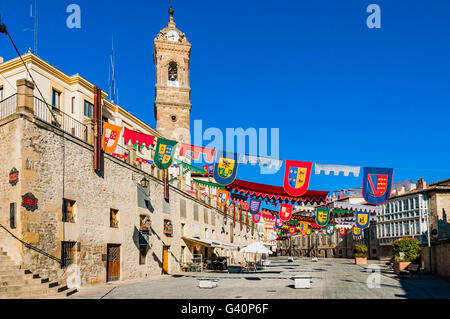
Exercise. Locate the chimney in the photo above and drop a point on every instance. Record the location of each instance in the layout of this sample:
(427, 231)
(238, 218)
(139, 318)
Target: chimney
(421, 184)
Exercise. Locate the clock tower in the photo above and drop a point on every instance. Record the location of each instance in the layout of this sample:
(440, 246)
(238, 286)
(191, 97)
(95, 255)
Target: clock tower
(171, 56)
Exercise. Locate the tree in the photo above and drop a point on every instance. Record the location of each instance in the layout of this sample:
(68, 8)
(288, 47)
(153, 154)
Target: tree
(406, 249)
(360, 251)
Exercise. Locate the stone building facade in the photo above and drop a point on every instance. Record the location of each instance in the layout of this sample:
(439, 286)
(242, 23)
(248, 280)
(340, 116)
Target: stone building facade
(55, 210)
(54, 166)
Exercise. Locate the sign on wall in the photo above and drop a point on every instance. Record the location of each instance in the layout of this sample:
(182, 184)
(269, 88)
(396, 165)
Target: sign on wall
(14, 176)
(29, 202)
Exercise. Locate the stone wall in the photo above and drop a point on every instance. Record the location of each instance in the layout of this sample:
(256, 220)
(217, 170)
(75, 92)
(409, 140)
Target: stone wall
(10, 157)
(440, 258)
(55, 166)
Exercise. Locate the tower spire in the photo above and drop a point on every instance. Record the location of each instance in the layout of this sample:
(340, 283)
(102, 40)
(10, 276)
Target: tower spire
(171, 12)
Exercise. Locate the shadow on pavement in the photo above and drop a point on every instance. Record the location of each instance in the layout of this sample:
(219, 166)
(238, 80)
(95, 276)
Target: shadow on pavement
(252, 278)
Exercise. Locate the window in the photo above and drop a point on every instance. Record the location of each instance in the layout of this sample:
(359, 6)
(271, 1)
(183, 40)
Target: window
(213, 218)
(67, 213)
(56, 98)
(104, 120)
(182, 208)
(113, 218)
(67, 253)
(205, 215)
(12, 215)
(195, 212)
(142, 254)
(88, 109)
(182, 230)
(1, 93)
(166, 206)
(172, 74)
(73, 104)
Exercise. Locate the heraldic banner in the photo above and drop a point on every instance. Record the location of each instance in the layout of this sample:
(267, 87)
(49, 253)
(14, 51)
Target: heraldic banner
(362, 219)
(225, 168)
(356, 231)
(377, 184)
(222, 197)
(296, 177)
(256, 218)
(111, 134)
(278, 223)
(255, 206)
(322, 216)
(285, 212)
(165, 150)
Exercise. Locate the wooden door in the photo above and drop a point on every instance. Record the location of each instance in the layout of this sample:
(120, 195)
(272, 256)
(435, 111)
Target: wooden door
(165, 265)
(113, 263)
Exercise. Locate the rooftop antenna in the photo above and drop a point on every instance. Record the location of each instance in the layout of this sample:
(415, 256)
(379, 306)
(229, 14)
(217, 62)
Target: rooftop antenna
(112, 79)
(35, 29)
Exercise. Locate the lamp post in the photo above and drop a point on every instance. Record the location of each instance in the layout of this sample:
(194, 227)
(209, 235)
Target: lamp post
(429, 240)
(144, 183)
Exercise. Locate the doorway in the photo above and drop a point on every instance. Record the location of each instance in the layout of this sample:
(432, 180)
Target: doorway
(165, 264)
(113, 262)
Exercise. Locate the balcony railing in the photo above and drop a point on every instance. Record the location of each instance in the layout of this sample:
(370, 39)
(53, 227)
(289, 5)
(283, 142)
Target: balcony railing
(63, 121)
(8, 106)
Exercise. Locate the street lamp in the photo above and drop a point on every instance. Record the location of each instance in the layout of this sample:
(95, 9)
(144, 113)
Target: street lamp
(145, 182)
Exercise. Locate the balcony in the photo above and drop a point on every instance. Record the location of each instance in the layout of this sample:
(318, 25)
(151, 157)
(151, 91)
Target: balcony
(8, 106)
(57, 118)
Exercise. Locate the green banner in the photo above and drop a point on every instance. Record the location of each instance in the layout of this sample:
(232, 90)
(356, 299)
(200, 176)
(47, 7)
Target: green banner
(165, 150)
(322, 216)
(191, 167)
(214, 185)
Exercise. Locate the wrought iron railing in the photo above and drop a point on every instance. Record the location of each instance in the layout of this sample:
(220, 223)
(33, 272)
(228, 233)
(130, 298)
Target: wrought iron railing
(8, 106)
(59, 119)
(29, 246)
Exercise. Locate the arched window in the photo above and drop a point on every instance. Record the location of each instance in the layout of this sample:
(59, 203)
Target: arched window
(173, 74)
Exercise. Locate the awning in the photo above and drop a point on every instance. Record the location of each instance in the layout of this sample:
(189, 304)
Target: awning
(198, 241)
(276, 192)
(210, 243)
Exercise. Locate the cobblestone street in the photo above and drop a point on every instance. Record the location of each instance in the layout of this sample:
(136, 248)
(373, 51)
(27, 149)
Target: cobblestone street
(331, 279)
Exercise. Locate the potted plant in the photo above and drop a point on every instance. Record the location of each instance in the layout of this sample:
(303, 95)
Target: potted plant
(406, 251)
(360, 252)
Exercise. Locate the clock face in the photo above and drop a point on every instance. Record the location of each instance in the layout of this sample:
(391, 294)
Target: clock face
(172, 36)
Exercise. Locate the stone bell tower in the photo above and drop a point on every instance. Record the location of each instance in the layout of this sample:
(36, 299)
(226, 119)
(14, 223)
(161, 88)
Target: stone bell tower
(171, 55)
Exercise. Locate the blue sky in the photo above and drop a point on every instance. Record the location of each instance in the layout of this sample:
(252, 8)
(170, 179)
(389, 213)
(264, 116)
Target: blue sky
(340, 93)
